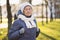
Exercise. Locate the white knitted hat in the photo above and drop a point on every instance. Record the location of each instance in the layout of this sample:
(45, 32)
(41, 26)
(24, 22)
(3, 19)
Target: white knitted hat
(23, 5)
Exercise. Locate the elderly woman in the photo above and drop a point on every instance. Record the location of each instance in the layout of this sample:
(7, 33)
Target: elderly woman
(25, 26)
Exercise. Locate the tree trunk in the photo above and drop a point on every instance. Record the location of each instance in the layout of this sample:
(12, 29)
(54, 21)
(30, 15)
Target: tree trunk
(46, 11)
(9, 15)
(51, 15)
(55, 9)
(42, 14)
(0, 14)
(30, 1)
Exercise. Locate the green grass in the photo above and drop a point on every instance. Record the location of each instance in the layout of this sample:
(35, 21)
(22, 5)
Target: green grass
(50, 31)
(3, 33)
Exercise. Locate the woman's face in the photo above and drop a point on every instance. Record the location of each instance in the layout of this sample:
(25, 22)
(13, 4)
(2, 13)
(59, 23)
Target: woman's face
(27, 11)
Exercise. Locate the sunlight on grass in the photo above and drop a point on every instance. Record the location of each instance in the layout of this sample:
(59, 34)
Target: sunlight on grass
(3, 33)
(50, 31)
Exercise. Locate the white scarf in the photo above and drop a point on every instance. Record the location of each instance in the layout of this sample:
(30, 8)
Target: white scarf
(29, 21)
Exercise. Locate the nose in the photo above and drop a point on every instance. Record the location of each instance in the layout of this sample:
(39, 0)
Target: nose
(28, 10)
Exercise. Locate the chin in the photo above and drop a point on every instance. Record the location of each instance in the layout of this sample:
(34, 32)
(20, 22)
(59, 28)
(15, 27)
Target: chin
(28, 15)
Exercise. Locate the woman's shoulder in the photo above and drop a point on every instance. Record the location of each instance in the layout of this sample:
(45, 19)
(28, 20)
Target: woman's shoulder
(18, 21)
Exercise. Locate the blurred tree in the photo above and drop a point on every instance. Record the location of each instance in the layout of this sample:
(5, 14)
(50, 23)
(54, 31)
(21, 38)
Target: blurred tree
(30, 1)
(0, 14)
(55, 8)
(46, 11)
(51, 15)
(9, 15)
(42, 13)
(22, 1)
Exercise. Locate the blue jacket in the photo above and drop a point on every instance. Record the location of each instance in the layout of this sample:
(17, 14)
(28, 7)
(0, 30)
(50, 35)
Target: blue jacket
(29, 34)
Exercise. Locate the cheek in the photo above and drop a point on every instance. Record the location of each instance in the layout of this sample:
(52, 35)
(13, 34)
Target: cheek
(24, 12)
(30, 12)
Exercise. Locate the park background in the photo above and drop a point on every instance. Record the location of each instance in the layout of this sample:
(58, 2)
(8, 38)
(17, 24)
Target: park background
(46, 12)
